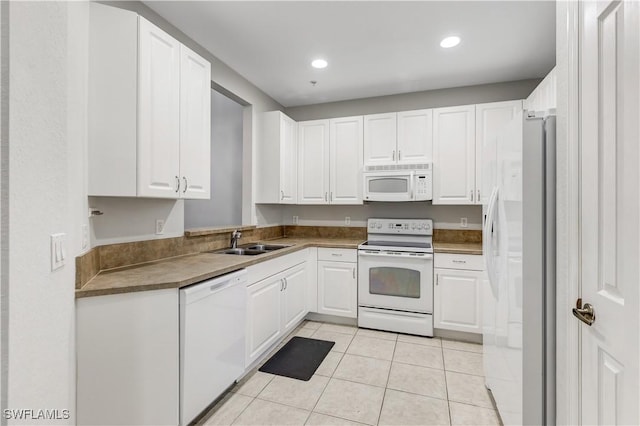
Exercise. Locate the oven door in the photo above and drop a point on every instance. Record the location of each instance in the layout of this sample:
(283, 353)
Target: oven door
(395, 280)
(389, 186)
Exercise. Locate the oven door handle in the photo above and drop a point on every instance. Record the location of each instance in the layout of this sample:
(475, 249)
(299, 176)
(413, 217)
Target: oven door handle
(396, 254)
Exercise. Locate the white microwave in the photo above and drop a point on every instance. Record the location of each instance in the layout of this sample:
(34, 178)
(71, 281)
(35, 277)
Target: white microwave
(398, 183)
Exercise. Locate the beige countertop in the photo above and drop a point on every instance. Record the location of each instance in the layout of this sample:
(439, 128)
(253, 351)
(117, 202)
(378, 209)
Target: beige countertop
(457, 248)
(185, 270)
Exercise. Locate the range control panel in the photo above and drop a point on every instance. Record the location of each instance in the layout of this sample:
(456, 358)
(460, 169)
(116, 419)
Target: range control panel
(400, 226)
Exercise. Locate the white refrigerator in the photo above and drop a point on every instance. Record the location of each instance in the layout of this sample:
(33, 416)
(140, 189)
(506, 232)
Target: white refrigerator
(519, 250)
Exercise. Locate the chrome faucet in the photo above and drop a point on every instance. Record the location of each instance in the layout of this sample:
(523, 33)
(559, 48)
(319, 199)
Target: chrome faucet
(235, 236)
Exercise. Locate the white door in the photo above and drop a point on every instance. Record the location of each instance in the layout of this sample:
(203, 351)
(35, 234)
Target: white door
(380, 139)
(610, 116)
(457, 300)
(313, 162)
(264, 323)
(158, 113)
(454, 158)
(415, 137)
(295, 296)
(491, 120)
(288, 161)
(195, 125)
(337, 289)
(346, 161)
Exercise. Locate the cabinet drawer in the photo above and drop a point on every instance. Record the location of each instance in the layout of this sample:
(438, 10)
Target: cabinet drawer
(338, 255)
(471, 262)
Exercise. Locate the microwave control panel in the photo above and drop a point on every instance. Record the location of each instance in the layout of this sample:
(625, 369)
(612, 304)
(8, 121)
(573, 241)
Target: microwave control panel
(423, 186)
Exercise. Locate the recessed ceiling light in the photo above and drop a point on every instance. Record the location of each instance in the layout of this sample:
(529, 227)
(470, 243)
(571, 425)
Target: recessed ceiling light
(448, 42)
(319, 63)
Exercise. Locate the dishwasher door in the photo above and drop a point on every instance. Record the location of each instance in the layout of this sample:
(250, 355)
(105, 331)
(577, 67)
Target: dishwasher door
(212, 340)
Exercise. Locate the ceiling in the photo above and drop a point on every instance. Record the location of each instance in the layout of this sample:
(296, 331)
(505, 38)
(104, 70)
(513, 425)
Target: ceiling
(373, 48)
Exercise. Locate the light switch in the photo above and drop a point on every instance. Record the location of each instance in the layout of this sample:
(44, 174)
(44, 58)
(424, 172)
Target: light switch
(58, 253)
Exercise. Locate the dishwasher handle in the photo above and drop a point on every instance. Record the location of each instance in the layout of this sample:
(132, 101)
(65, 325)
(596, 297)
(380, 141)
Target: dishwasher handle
(213, 286)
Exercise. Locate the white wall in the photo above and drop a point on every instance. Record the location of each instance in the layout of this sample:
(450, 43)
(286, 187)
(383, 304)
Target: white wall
(444, 217)
(47, 131)
(225, 206)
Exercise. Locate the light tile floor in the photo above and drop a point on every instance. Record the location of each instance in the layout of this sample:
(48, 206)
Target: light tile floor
(370, 377)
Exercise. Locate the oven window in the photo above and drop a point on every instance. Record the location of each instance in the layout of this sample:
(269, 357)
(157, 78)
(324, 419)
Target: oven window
(389, 185)
(400, 282)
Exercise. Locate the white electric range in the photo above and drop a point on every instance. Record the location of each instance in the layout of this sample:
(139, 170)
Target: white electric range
(395, 279)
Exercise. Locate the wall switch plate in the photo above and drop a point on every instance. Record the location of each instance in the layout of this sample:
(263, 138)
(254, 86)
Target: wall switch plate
(159, 226)
(85, 236)
(295, 220)
(347, 220)
(463, 222)
(58, 252)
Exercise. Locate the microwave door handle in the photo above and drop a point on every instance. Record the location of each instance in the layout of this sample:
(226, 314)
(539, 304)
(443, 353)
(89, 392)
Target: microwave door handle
(412, 182)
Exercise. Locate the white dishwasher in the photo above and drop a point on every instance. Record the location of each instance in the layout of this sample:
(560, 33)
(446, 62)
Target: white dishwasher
(212, 340)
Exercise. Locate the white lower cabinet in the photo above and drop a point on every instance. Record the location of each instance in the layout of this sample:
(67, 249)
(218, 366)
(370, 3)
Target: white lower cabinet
(275, 305)
(458, 293)
(128, 359)
(337, 282)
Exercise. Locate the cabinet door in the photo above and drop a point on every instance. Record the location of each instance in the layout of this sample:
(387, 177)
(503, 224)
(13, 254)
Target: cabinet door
(458, 300)
(158, 112)
(264, 324)
(491, 120)
(415, 137)
(313, 162)
(454, 160)
(295, 296)
(337, 288)
(346, 160)
(288, 161)
(380, 139)
(195, 125)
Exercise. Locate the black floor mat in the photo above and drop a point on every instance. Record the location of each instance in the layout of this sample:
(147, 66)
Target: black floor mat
(299, 358)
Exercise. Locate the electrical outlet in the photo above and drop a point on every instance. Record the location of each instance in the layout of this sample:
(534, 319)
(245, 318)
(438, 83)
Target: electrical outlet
(295, 220)
(347, 220)
(159, 226)
(463, 222)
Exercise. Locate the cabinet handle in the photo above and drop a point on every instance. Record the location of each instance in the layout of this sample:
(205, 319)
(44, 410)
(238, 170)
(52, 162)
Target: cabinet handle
(393, 155)
(286, 283)
(437, 279)
(471, 195)
(399, 155)
(354, 273)
(185, 185)
(177, 184)
(281, 284)
(459, 261)
(478, 195)
(325, 197)
(281, 195)
(336, 254)
(331, 196)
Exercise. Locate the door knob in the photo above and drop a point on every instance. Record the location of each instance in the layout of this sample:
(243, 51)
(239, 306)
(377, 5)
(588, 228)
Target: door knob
(585, 314)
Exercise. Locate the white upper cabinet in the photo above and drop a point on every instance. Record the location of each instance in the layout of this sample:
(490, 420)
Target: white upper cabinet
(380, 139)
(454, 160)
(313, 162)
(158, 112)
(149, 110)
(195, 125)
(398, 138)
(346, 145)
(277, 160)
(491, 119)
(415, 137)
(330, 161)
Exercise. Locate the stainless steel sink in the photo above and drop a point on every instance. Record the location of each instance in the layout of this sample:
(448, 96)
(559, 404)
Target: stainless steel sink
(241, 251)
(267, 247)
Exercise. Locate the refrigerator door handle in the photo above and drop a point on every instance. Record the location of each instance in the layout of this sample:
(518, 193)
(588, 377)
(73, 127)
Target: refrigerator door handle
(488, 231)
